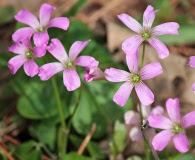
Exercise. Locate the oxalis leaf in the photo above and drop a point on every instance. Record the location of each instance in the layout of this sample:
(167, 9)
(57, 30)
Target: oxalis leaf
(118, 141)
(38, 100)
(75, 156)
(29, 151)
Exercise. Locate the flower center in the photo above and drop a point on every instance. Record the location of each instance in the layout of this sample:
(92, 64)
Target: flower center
(135, 78)
(69, 65)
(145, 35)
(29, 54)
(41, 29)
(177, 129)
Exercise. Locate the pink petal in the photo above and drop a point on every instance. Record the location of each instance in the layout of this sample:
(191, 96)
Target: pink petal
(57, 50)
(116, 75)
(18, 48)
(159, 46)
(148, 17)
(157, 110)
(26, 17)
(151, 70)
(188, 120)
(48, 70)
(132, 44)
(27, 43)
(193, 87)
(123, 93)
(181, 142)
(161, 140)
(45, 14)
(93, 74)
(15, 63)
(173, 109)
(71, 79)
(60, 22)
(39, 51)
(22, 34)
(130, 23)
(76, 48)
(160, 121)
(31, 68)
(132, 117)
(192, 62)
(144, 94)
(135, 134)
(145, 111)
(132, 62)
(87, 61)
(165, 28)
(41, 38)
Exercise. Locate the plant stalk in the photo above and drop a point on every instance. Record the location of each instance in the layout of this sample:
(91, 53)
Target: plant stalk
(63, 143)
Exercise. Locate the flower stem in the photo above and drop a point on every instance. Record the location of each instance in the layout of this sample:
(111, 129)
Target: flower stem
(145, 143)
(75, 108)
(63, 143)
(143, 54)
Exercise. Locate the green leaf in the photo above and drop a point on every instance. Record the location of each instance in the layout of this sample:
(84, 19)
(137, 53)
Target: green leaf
(38, 100)
(186, 156)
(45, 132)
(29, 151)
(75, 156)
(186, 36)
(9, 12)
(134, 158)
(95, 151)
(118, 141)
(87, 114)
(76, 8)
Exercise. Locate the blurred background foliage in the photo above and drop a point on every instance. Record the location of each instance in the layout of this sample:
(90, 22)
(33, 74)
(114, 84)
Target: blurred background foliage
(28, 105)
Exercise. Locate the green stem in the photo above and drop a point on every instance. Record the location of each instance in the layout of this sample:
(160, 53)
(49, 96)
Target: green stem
(140, 108)
(143, 54)
(75, 108)
(61, 114)
(166, 153)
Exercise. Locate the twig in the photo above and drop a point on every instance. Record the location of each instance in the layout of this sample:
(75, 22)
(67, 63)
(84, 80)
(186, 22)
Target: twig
(146, 137)
(6, 153)
(87, 139)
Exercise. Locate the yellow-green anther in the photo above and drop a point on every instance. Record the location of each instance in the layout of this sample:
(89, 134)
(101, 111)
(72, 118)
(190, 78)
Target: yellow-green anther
(177, 129)
(29, 54)
(145, 35)
(135, 78)
(69, 65)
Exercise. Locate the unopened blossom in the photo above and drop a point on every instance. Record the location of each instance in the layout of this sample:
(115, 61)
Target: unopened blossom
(147, 33)
(173, 127)
(132, 79)
(25, 56)
(133, 118)
(192, 64)
(67, 63)
(38, 28)
(93, 74)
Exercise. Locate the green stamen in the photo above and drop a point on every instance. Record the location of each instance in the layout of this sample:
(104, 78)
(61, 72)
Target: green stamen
(177, 129)
(145, 35)
(69, 65)
(135, 78)
(29, 54)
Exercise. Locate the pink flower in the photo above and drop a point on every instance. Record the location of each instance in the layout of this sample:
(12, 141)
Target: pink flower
(146, 33)
(133, 118)
(67, 64)
(93, 74)
(26, 56)
(39, 29)
(174, 128)
(133, 79)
